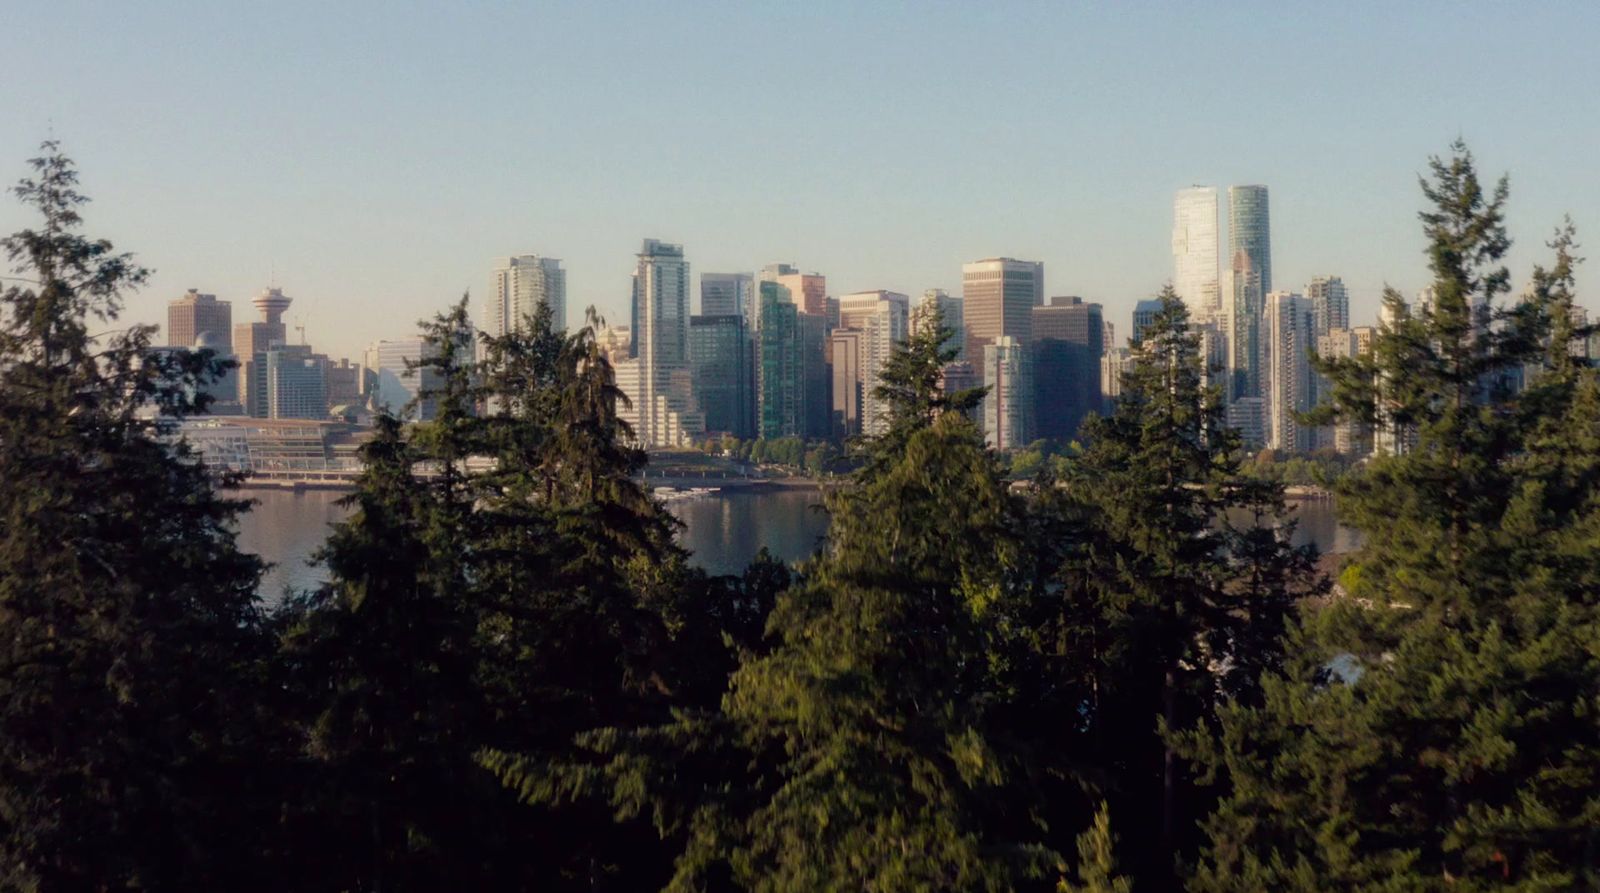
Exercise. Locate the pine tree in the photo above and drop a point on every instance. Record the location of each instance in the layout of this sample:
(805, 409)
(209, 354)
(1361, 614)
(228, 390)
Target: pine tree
(1434, 730)
(129, 630)
(1177, 606)
(1097, 862)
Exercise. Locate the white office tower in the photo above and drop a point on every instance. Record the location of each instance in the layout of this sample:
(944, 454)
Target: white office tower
(882, 318)
(657, 376)
(1286, 336)
(1196, 249)
(1330, 304)
(1007, 408)
(518, 286)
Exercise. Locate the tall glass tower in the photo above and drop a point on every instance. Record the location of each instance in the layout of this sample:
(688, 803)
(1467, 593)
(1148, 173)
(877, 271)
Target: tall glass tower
(1250, 231)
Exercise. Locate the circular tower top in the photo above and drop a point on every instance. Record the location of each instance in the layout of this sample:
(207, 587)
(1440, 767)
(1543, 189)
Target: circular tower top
(272, 302)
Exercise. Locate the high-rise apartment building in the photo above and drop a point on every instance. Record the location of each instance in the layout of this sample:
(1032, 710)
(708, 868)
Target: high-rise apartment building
(1289, 388)
(663, 411)
(998, 295)
(816, 414)
(1114, 364)
(1008, 406)
(1330, 304)
(518, 286)
(250, 343)
(1067, 346)
(720, 352)
(193, 314)
(728, 294)
(1196, 247)
(1250, 230)
(1346, 436)
(883, 319)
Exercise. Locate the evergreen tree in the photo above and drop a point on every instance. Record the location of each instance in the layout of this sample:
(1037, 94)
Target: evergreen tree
(1176, 604)
(1434, 730)
(129, 630)
(1097, 862)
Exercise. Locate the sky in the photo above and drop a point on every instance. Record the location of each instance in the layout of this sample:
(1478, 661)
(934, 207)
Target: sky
(372, 159)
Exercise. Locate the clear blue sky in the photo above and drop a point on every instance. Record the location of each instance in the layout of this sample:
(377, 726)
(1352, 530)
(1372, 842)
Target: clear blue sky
(378, 155)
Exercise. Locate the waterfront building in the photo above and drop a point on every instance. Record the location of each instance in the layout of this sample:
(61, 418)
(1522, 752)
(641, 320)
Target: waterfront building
(1008, 405)
(1330, 304)
(844, 347)
(250, 343)
(723, 382)
(1067, 347)
(780, 371)
(663, 411)
(883, 319)
(1287, 325)
(1196, 247)
(296, 382)
(998, 295)
(518, 286)
(195, 314)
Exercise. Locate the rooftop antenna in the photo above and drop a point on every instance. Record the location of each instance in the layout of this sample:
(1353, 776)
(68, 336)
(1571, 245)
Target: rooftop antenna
(300, 326)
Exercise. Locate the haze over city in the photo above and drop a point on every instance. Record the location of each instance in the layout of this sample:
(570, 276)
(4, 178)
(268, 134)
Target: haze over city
(373, 159)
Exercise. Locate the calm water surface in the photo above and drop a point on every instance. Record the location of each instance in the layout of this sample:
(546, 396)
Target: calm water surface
(723, 531)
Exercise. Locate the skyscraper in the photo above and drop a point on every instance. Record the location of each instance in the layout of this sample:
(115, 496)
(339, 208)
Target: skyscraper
(807, 291)
(1195, 250)
(1067, 346)
(250, 343)
(1144, 315)
(1008, 405)
(845, 350)
(395, 383)
(720, 352)
(816, 413)
(1250, 230)
(1243, 328)
(780, 371)
(998, 295)
(1347, 436)
(193, 314)
(882, 317)
(728, 294)
(1330, 304)
(663, 413)
(1286, 327)
(518, 285)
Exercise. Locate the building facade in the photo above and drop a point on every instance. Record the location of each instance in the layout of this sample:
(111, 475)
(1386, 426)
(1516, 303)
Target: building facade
(1330, 304)
(297, 384)
(1068, 342)
(720, 352)
(663, 411)
(1008, 406)
(194, 314)
(998, 295)
(1250, 230)
(780, 371)
(728, 294)
(1196, 247)
(883, 318)
(251, 341)
(518, 286)
(1287, 328)
(844, 347)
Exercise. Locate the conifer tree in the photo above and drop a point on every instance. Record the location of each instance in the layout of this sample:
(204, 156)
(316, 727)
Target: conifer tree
(1097, 862)
(129, 629)
(1177, 606)
(1434, 729)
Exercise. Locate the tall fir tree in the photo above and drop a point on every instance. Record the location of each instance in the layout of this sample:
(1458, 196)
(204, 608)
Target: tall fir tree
(129, 629)
(1176, 601)
(1434, 730)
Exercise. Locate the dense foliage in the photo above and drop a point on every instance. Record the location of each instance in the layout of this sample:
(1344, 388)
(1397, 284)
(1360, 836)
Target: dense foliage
(1100, 667)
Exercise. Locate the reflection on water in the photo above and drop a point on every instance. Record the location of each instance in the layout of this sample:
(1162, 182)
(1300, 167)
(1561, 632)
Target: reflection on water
(723, 531)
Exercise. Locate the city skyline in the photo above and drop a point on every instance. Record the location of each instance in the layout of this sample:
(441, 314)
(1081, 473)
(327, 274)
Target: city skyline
(345, 179)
